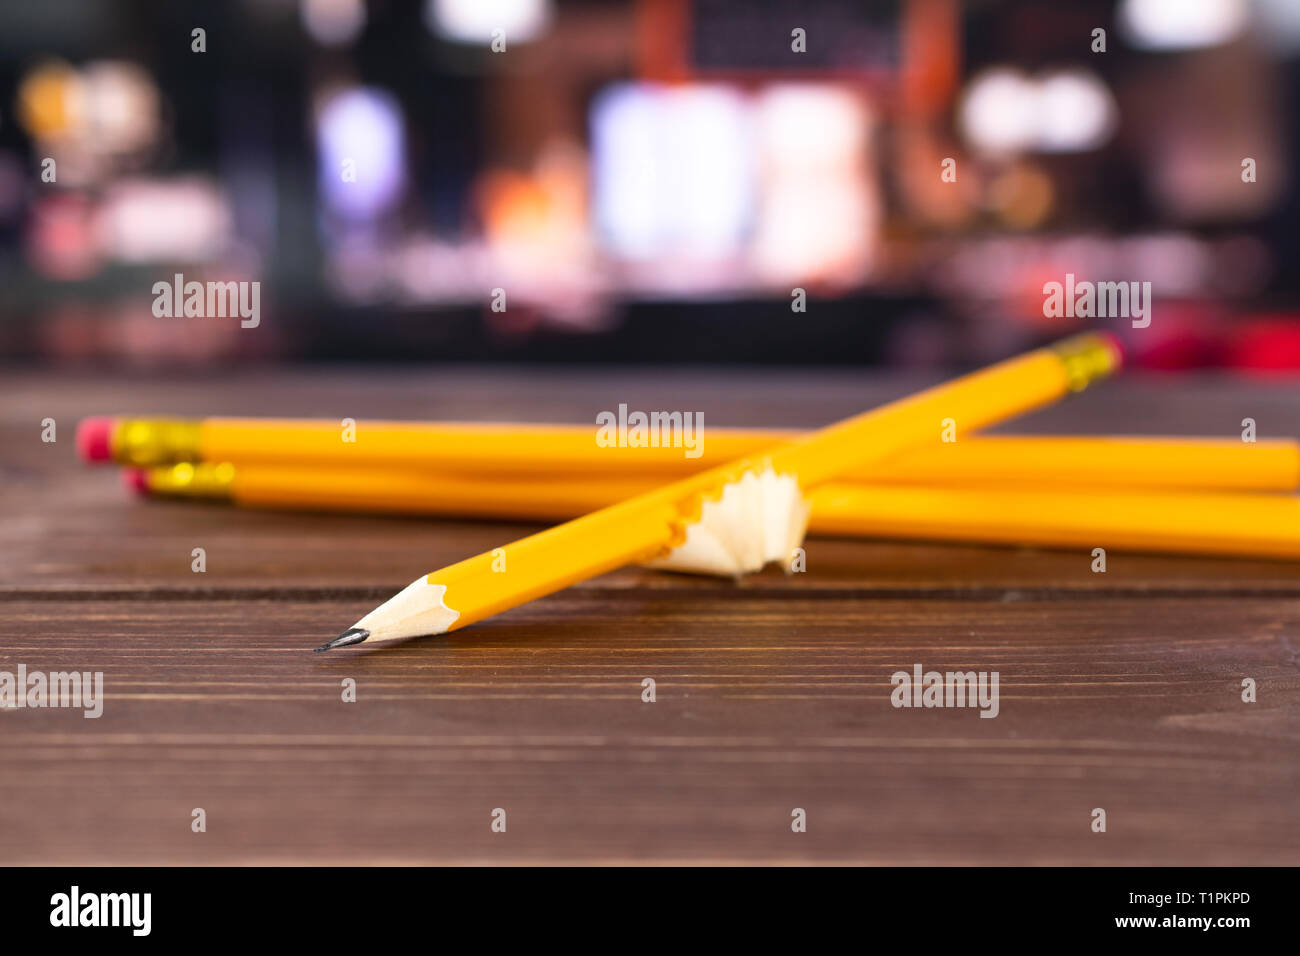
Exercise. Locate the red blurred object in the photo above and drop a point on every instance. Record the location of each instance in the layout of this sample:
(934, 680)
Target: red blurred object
(1268, 344)
(134, 479)
(1182, 335)
(61, 243)
(94, 439)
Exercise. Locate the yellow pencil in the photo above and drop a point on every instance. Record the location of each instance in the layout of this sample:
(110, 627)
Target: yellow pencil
(1232, 523)
(1239, 523)
(398, 492)
(733, 518)
(442, 446)
(570, 451)
(996, 461)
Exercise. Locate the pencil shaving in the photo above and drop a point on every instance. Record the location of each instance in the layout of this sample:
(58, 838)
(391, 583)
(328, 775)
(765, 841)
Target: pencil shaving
(755, 520)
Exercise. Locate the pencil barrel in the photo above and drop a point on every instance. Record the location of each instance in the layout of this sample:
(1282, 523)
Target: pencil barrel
(1254, 525)
(999, 460)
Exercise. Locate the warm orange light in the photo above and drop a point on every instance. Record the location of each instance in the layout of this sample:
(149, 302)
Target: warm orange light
(49, 100)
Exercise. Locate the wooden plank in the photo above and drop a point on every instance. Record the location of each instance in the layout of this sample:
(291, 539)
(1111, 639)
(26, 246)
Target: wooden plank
(763, 705)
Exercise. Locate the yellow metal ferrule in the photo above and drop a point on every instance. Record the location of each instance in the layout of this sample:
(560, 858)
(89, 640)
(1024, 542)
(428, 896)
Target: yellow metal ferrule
(187, 480)
(156, 441)
(1087, 358)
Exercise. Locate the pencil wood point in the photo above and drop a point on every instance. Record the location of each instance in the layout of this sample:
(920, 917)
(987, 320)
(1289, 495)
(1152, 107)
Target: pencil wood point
(353, 635)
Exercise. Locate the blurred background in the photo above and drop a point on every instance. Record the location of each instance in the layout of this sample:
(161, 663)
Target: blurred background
(647, 181)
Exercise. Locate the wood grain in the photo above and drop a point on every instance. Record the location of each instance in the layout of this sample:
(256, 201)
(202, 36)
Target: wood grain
(1119, 690)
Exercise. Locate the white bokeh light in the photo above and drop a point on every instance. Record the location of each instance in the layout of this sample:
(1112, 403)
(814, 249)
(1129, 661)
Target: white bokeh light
(1181, 24)
(1006, 112)
(999, 112)
(472, 21)
(360, 130)
(1076, 112)
(672, 169)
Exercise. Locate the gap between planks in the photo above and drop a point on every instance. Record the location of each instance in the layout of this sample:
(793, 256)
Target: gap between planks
(1019, 593)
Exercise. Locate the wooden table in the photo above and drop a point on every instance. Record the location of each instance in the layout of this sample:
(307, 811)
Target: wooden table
(1119, 690)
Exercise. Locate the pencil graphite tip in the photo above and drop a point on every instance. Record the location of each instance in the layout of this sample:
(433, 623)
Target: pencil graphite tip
(353, 635)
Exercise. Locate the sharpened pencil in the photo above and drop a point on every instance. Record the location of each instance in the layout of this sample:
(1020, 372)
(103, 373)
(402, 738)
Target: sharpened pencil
(733, 518)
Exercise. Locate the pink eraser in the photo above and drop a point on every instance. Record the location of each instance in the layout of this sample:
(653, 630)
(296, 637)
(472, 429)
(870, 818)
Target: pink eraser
(136, 480)
(95, 439)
